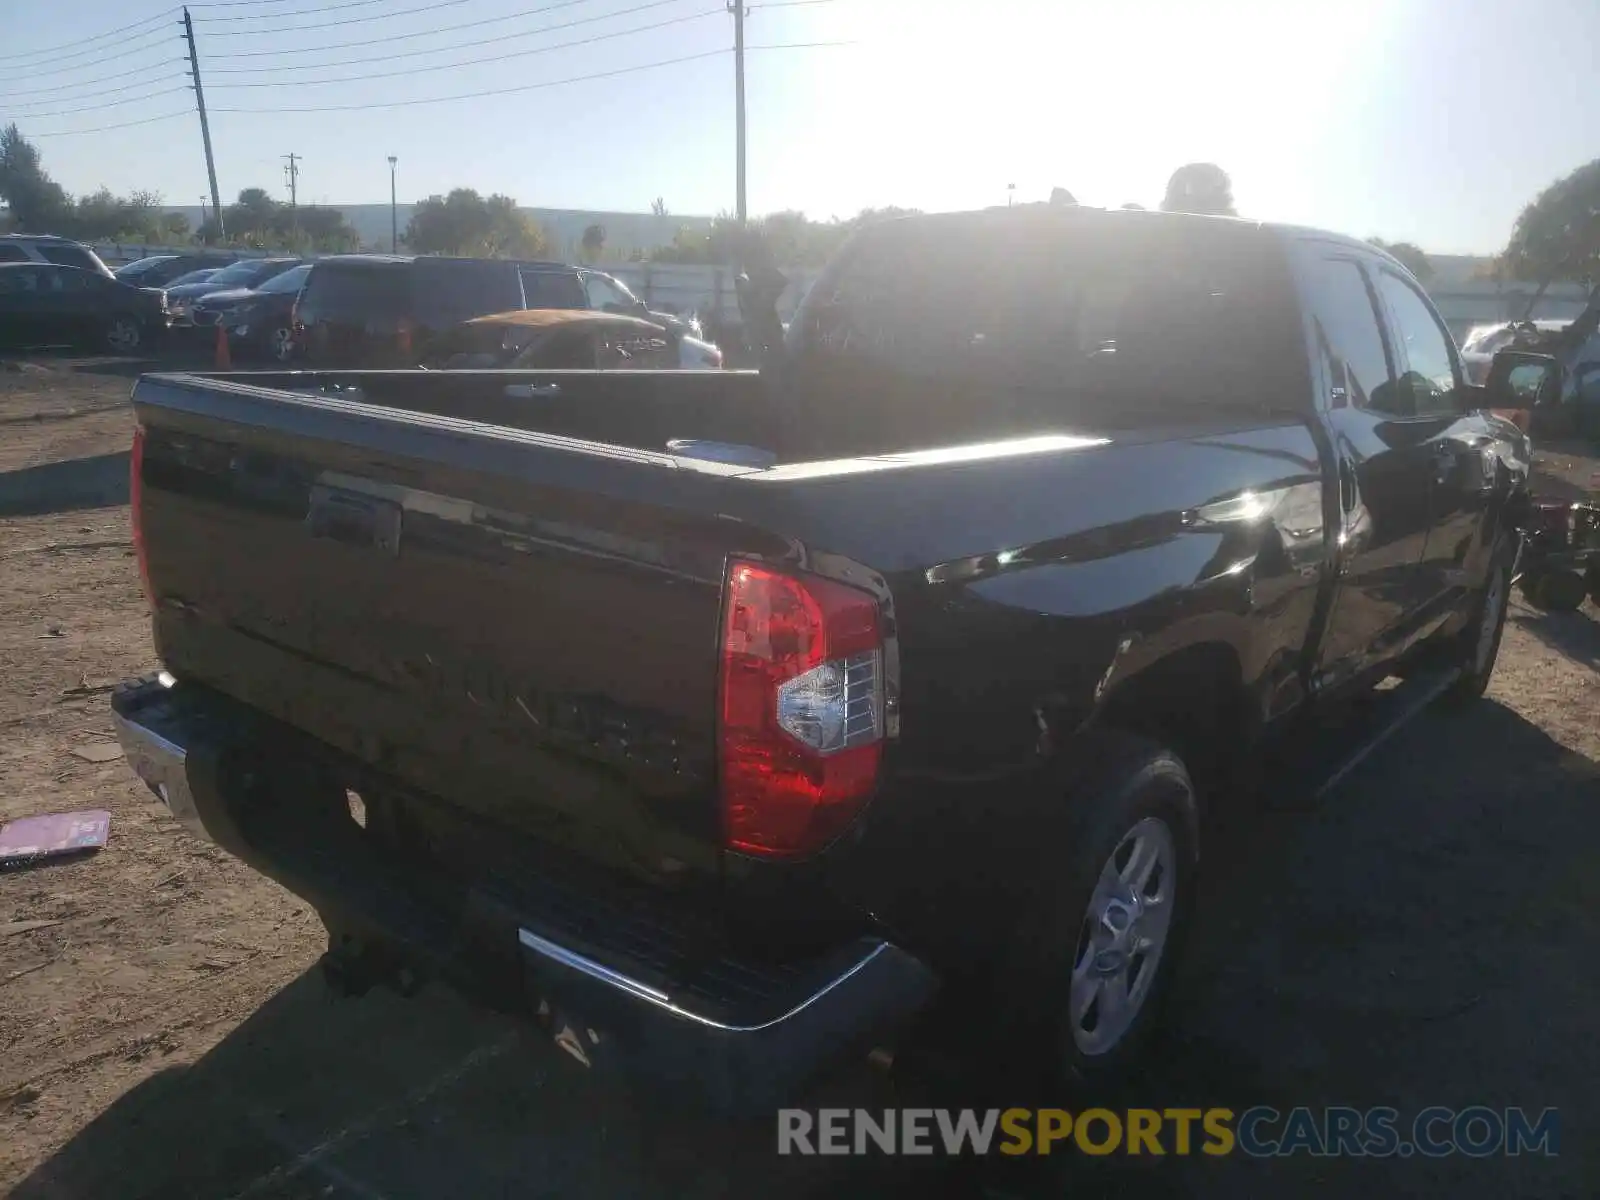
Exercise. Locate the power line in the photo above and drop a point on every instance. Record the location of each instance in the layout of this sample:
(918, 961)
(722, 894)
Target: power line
(95, 107)
(803, 45)
(81, 42)
(473, 62)
(107, 128)
(488, 41)
(94, 84)
(103, 53)
(527, 87)
(404, 12)
(396, 37)
(299, 12)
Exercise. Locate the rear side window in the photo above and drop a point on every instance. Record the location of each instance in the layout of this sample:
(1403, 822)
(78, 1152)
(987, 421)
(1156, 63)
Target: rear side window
(10, 253)
(69, 256)
(355, 291)
(1116, 316)
(553, 289)
(448, 293)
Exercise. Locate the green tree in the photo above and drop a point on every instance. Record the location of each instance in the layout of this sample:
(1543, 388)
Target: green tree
(326, 230)
(594, 242)
(1557, 236)
(1410, 256)
(468, 224)
(38, 203)
(1200, 188)
(658, 206)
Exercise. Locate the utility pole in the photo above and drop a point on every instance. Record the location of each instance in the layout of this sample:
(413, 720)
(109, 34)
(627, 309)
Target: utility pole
(736, 7)
(205, 128)
(394, 219)
(291, 171)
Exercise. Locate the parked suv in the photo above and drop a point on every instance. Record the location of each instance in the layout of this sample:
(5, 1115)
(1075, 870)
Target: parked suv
(390, 310)
(387, 310)
(47, 248)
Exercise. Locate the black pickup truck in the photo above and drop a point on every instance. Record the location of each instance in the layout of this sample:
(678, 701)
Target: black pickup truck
(720, 718)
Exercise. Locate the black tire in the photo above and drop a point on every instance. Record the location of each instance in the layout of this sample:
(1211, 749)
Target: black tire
(279, 345)
(1556, 591)
(123, 334)
(1131, 782)
(1477, 647)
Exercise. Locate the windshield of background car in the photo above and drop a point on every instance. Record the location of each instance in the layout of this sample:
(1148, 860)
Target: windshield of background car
(193, 277)
(291, 280)
(1115, 314)
(238, 275)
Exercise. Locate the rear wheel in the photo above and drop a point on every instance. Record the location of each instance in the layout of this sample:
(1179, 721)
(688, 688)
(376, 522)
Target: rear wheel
(123, 335)
(1091, 970)
(280, 344)
(1556, 591)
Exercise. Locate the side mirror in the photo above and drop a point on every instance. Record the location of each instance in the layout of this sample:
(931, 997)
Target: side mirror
(1520, 379)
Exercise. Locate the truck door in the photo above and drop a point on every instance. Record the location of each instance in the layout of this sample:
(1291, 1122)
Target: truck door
(1461, 478)
(1382, 464)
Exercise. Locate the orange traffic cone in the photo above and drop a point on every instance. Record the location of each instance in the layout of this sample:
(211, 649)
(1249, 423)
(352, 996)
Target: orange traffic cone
(224, 360)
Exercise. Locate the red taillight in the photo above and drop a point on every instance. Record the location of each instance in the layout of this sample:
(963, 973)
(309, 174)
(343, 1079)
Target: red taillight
(136, 510)
(801, 724)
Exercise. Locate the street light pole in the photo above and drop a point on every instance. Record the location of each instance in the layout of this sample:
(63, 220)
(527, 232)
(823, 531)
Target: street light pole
(394, 218)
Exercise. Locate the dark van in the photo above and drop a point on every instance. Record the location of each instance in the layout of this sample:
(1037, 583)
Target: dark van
(375, 310)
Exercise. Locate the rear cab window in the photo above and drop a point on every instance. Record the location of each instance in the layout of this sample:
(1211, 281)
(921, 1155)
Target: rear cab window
(1038, 321)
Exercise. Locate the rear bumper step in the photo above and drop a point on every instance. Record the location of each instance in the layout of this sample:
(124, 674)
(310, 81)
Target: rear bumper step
(744, 1034)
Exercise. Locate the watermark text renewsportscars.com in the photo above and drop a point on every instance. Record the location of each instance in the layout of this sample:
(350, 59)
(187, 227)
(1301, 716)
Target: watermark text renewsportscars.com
(1259, 1132)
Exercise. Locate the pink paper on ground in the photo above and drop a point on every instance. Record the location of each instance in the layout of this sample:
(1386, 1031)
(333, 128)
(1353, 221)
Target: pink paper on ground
(54, 834)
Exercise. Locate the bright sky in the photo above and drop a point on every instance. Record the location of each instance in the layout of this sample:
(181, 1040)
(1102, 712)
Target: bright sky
(1430, 121)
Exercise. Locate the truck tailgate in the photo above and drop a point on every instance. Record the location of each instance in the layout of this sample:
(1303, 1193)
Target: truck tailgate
(521, 625)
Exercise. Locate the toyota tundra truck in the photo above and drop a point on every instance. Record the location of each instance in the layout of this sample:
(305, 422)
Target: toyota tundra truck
(721, 721)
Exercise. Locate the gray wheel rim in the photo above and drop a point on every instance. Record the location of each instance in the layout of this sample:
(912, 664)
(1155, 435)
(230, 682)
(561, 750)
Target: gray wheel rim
(1494, 603)
(282, 344)
(123, 334)
(1123, 936)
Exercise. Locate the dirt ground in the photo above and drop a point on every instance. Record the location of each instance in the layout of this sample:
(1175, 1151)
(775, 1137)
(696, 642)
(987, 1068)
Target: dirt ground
(1427, 935)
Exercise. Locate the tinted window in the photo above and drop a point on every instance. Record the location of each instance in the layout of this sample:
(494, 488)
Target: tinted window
(1427, 386)
(9, 253)
(358, 291)
(1115, 316)
(69, 256)
(193, 277)
(552, 289)
(16, 283)
(607, 295)
(1345, 325)
(448, 293)
(244, 274)
(291, 280)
